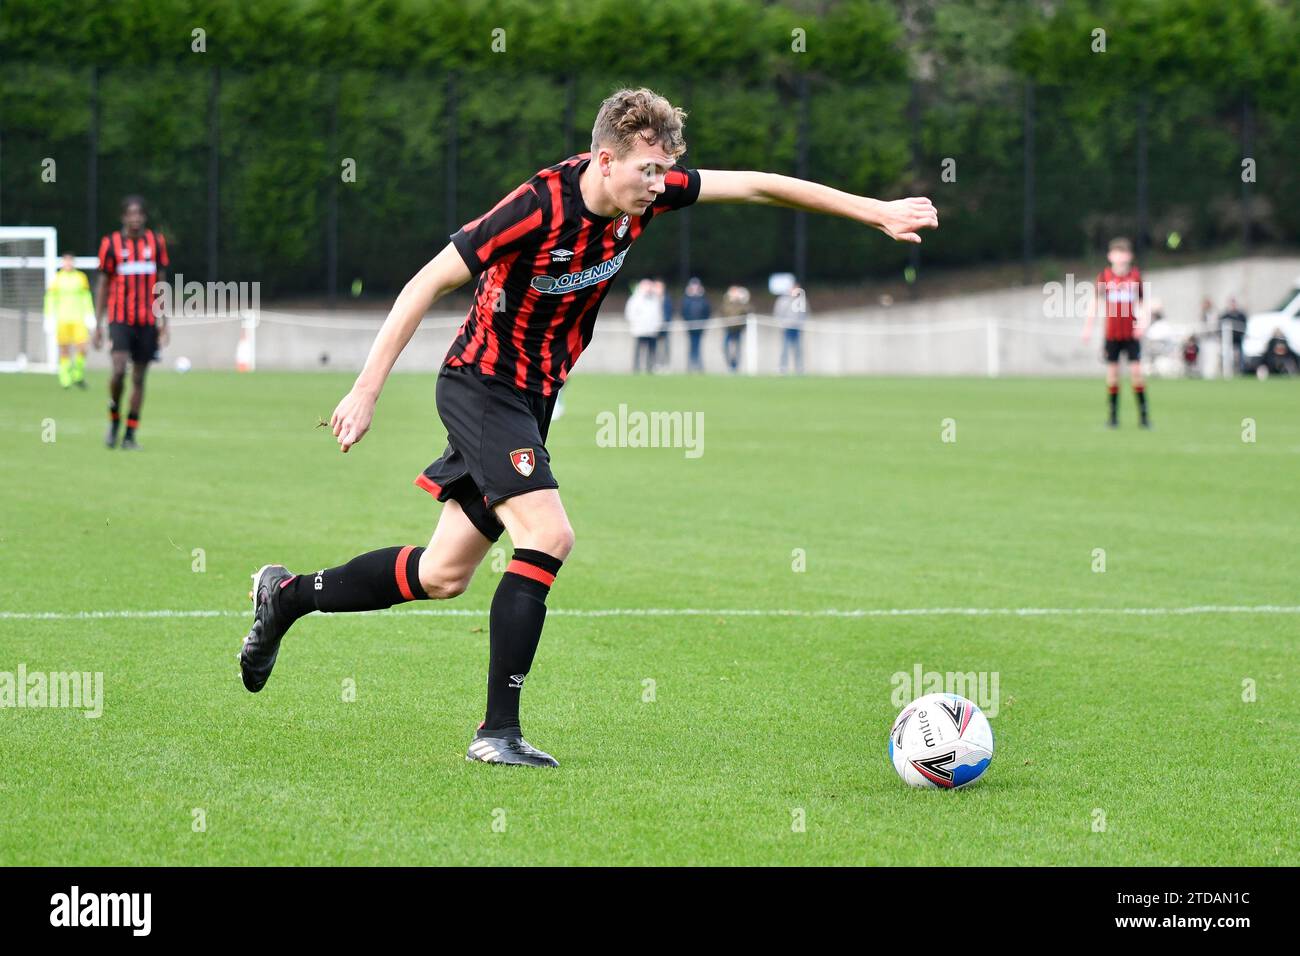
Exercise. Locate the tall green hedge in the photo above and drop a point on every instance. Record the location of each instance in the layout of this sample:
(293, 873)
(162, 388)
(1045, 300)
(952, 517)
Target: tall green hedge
(305, 84)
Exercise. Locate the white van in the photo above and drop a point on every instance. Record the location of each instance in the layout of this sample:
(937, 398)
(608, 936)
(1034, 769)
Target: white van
(1261, 326)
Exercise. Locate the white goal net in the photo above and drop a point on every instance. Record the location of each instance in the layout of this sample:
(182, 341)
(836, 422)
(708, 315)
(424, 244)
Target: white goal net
(28, 261)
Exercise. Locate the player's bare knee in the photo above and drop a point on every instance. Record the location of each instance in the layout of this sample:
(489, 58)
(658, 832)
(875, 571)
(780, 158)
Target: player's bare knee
(557, 540)
(440, 582)
(441, 585)
(444, 588)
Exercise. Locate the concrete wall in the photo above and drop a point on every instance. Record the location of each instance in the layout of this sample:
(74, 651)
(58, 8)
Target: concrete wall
(1008, 331)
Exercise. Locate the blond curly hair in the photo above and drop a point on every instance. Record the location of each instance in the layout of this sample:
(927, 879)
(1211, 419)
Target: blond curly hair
(628, 113)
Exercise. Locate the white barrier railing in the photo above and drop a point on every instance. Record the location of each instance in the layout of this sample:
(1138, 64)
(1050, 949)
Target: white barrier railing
(273, 340)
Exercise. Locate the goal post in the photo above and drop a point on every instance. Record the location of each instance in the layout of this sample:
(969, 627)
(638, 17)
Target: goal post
(29, 258)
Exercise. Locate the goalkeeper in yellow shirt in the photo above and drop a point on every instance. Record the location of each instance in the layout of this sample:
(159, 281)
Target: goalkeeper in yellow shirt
(69, 308)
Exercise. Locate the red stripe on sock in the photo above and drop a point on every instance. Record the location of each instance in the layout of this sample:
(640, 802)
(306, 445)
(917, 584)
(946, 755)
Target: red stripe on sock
(1112, 389)
(524, 569)
(401, 572)
(132, 422)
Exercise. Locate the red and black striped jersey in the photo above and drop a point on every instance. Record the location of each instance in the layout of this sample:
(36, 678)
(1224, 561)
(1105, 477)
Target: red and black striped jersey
(544, 264)
(1121, 293)
(131, 265)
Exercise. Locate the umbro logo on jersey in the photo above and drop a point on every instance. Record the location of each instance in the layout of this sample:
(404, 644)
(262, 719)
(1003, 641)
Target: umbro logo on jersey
(572, 281)
(524, 461)
(561, 255)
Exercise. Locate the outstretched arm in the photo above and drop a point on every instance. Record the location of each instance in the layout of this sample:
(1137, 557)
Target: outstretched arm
(899, 220)
(445, 272)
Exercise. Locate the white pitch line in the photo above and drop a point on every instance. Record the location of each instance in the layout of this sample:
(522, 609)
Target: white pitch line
(713, 612)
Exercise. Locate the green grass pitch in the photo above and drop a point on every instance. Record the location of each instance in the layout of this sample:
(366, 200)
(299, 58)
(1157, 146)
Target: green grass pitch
(1121, 738)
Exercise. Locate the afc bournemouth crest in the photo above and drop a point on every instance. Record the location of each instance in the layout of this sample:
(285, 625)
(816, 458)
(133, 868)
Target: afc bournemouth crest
(620, 229)
(523, 460)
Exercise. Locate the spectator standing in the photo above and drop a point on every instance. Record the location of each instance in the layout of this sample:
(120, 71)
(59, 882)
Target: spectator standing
(645, 317)
(735, 312)
(661, 353)
(1234, 319)
(790, 310)
(695, 313)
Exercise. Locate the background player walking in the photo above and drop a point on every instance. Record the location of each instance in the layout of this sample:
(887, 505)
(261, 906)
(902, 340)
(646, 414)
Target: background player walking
(131, 261)
(545, 257)
(1119, 289)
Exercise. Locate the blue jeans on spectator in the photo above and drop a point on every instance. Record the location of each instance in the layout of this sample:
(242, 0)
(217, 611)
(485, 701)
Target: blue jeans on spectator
(792, 343)
(695, 363)
(645, 348)
(731, 347)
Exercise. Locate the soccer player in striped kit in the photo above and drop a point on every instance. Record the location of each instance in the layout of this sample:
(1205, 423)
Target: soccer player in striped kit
(1120, 294)
(131, 262)
(544, 257)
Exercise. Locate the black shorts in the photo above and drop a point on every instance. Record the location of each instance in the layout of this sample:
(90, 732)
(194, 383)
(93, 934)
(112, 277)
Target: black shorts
(496, 449)
(140, 340)
(1130, 347)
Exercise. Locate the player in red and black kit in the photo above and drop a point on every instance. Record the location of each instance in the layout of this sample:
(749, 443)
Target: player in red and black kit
(1119, 288)
(545, 257)
(131, 261)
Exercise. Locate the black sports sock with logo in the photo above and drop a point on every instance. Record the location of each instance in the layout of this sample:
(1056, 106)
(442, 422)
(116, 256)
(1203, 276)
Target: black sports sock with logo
(1141, 393)
(369, 582)
(1112, 396)
(518, 613)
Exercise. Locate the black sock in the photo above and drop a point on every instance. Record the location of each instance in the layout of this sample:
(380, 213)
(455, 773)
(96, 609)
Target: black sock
(369, 582)
(1141, 394)
(132, 423)
(114, 418)
(518, 613)
(1113, 398)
